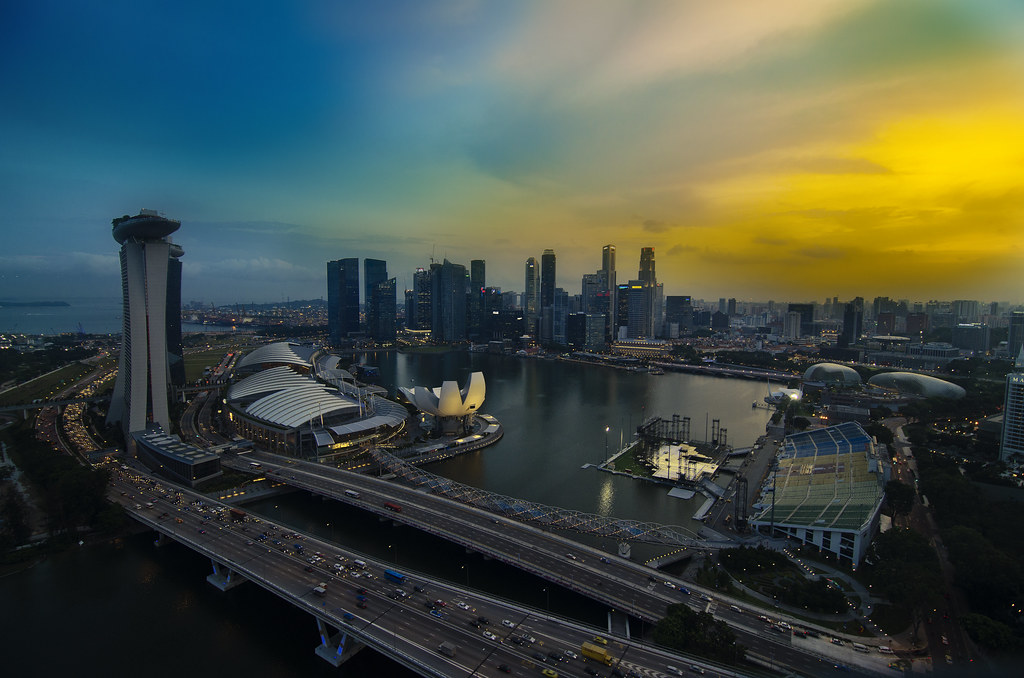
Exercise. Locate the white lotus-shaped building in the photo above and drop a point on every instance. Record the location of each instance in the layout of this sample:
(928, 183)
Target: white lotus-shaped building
(448, 400)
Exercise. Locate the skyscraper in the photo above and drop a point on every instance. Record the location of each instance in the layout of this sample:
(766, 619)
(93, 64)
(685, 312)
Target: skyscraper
(151, 334)
(547, 278)
(1012, 441)
(448, 302)
(421, 315)
(381, 311)
(375, 271)
(342, 298)
(531, 295)
(1015, 337)
(610, 286)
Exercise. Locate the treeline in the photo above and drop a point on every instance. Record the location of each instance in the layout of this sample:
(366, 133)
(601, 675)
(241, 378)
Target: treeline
(982, 538)
(71, 495)
(22, 366)
(698, 633)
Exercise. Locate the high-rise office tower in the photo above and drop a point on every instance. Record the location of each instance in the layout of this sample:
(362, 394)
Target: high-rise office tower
(422, 314)
(650, 315)
(342, 298)
(477, 274)
(1012, 441)
(806, 312)
(609, 285)
(547, 278)
(151, 334)
(531, 295)
(853, 323)
(448, 302)
(381, 311)
(1015, 337)
(647, 266)
(375, 271)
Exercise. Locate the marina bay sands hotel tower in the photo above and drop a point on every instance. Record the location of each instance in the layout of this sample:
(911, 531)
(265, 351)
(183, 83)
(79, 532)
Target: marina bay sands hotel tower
(151, 355)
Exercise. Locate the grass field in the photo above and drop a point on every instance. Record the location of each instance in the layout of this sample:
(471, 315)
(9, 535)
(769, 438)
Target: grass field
(46, 386)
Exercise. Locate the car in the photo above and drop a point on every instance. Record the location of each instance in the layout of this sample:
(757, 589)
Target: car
(360, 597)
(250, 542)
(483, 620)
(944, 639)
(202, 531)
(437, 613)
(570, 556)
(348, 616)
(697, 669)
(539, 657)
(430, 604)
(550, 673)
(735, 609)
(600, 640)
(669, 584)
(508, 622)
(504, 668)
(462, 606)
(308, 568)
(361, 604)
(490, 636)
(529, 639)
(361, 591)
(674, 670)
(571, 655)
(440, 603)
(705, 597)
(554, 656)
(474, 623)
(418, 589)
(589, 671)
(605, 560)
(517, 640)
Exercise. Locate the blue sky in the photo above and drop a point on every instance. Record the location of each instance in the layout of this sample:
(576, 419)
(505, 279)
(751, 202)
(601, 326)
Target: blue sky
(795, 149)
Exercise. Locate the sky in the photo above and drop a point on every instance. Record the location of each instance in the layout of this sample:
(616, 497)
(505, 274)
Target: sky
(785, 149)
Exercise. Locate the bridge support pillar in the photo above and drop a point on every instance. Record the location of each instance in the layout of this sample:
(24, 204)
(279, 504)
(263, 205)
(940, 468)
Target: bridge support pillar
(618, 623)
(161, 539)
(224, 578)
(336, 648)
(625, 549)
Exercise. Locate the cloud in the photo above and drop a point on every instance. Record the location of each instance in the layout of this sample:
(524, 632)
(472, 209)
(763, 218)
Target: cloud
(822, 252)
(680, 249)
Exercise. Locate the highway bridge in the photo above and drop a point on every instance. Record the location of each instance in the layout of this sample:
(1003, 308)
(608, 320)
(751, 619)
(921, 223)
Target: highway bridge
(623, 585)
(360, 607)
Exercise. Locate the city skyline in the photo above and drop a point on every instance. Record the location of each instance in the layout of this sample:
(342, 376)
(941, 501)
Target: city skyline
(795, 151)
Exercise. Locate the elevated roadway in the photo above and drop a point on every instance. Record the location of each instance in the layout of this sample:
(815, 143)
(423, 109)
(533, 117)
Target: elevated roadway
(360, 606)
(617, 582)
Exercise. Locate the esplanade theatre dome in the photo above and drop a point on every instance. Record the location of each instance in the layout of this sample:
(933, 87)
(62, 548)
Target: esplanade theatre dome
(832, 373)
(918, 384)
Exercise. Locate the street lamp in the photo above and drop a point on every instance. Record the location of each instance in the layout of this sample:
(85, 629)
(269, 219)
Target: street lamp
(466, 569)
(547, 597)
(606, 429)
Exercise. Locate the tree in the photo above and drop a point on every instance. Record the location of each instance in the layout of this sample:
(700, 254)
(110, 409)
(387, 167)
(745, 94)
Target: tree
(900, 497)
(697, 632)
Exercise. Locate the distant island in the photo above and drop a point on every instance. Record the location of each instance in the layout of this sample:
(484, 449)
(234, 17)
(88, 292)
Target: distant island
(25, 304)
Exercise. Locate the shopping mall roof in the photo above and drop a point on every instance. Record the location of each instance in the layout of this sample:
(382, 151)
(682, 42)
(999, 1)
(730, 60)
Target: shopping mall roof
(281, 352)
(268, 381)
(827, 478)
(296, 406)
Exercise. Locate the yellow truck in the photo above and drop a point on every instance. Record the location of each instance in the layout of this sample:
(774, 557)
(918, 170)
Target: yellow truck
(595, 652)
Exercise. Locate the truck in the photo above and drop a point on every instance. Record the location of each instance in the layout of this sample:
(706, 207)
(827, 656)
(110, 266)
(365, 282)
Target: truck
(447, 649)
(595, 652)
(352, 493)
(237, 514)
